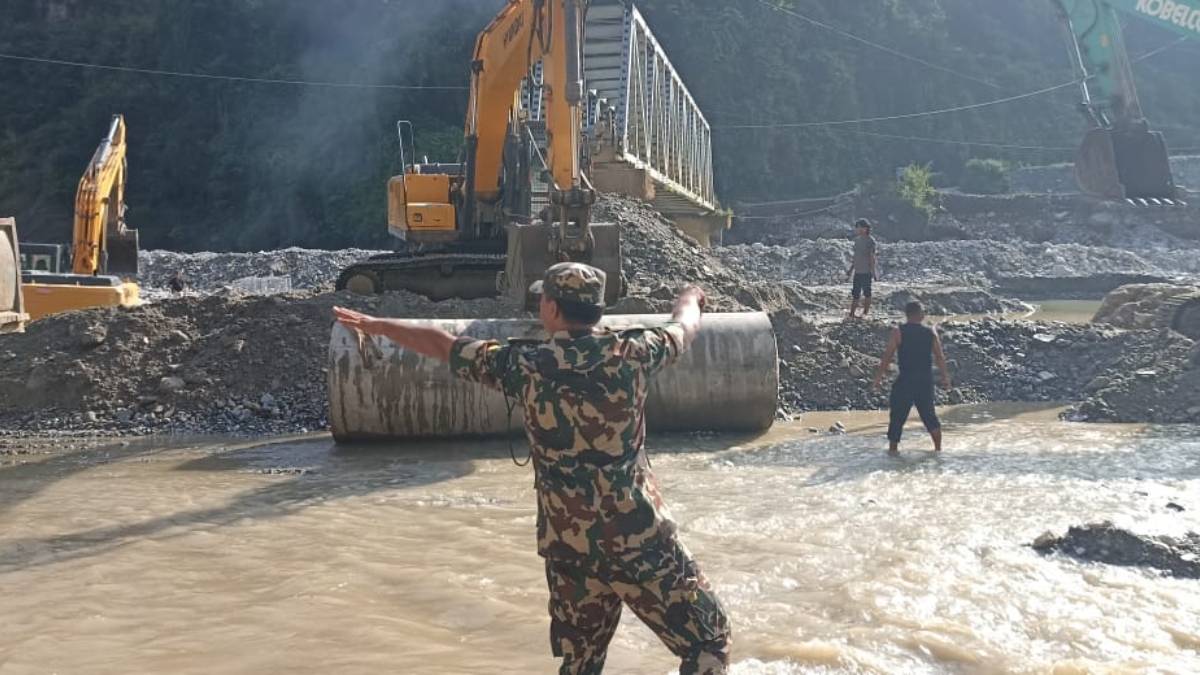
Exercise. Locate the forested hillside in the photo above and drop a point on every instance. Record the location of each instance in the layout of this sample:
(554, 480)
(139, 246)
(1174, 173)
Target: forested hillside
(238, 165)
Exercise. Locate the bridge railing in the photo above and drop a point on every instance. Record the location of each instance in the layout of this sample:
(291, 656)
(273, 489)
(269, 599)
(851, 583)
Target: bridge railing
(636, 93)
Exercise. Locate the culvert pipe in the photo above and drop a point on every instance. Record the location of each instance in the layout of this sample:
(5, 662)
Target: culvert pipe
(728, 381)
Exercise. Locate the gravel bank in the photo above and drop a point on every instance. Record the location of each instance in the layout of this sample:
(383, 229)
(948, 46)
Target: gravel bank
(961, 263)
(222, 362)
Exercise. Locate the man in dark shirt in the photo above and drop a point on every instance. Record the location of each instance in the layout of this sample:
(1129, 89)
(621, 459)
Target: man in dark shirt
(918, 345)
(863, 269)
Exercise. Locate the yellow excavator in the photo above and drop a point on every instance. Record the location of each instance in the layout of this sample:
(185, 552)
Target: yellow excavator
(472, 232)
(469, 228)
(103, 256)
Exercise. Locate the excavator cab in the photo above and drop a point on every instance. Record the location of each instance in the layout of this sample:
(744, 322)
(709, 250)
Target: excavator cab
(419, 207)
(1126, 164)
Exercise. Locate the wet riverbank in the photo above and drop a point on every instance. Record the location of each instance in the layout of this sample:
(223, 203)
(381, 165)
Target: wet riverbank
(833, 558)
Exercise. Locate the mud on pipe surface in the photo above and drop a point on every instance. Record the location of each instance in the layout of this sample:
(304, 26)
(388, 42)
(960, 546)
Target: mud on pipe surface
(728, 381)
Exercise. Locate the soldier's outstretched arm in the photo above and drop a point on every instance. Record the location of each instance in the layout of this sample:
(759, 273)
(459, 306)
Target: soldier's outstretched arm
(424, 340)
(688, 308)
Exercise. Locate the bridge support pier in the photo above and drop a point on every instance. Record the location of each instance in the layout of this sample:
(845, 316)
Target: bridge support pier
(707, 229)
(618, 177)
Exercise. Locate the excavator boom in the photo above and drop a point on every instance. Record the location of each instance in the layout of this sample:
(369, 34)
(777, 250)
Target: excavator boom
(102, 242)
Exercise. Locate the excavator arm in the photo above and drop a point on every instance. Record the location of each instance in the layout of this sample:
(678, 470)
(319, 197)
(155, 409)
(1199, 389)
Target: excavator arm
(525, 32)
(102, 244)
(1120, 157)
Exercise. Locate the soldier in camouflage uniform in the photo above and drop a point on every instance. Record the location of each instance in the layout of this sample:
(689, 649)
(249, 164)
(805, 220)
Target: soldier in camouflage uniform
(603, 529)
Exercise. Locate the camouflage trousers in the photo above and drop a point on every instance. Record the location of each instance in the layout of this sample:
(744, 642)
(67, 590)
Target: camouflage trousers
(664, 588)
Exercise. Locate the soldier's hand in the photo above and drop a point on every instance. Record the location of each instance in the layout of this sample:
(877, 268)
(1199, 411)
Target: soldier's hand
(697, 293)
(358, 321)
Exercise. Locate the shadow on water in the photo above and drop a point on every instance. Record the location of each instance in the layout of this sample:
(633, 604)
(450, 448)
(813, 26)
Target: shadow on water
(317, 471)
(307, 473)
(30, 475)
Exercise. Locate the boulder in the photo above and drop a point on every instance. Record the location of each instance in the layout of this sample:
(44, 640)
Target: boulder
(1135, 307)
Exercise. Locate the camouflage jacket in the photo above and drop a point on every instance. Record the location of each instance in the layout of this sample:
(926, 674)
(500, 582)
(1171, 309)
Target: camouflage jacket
(584, 400)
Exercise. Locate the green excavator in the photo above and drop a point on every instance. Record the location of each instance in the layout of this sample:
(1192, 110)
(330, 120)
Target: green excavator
(1120, 158)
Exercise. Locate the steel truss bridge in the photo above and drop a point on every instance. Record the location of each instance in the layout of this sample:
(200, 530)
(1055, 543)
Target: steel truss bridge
(647, 136)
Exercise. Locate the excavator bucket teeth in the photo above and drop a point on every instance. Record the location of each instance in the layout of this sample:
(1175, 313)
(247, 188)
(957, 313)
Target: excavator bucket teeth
(122, 254)
(727, 381)
(1131, 164)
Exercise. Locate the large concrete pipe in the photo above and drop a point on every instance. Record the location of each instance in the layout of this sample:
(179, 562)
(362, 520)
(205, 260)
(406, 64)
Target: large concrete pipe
(728, 381)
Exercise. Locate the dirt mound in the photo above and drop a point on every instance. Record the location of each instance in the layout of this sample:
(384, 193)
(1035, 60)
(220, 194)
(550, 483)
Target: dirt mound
(1138, 306)
(220, 364)
(1160, 383)
(660, 258)
(957, 263)
(829, 367)
(227, 363)
(207, 272)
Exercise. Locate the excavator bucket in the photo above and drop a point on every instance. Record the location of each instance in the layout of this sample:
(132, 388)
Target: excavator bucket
(121, 251)
(1125, 164)
(728, 381)
(530, 254)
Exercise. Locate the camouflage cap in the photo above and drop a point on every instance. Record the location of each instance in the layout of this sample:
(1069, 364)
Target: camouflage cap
(573, 282)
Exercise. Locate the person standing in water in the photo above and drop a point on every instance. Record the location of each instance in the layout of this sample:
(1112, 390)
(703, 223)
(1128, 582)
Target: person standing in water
(918, 346)
(863, 269)
(603, 528)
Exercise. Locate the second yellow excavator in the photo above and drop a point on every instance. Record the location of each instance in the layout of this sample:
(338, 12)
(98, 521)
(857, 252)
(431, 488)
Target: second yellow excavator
(104, 251)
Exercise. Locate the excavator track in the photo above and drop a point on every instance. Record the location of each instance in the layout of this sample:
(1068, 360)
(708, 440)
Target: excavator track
(435, 276)
(1181, 314)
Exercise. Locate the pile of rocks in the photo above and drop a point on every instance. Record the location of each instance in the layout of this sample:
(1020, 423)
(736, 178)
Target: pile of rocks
(218, 364)
(229, 363)
(1106, 543)
(1138, 306)
(1159, 383)
(960, 263)
(210, 272)
(659, 259)
(830, 366)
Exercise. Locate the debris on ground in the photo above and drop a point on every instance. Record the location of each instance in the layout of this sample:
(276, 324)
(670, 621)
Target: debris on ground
(214, 359)
(1108, 544)
(1139, 306)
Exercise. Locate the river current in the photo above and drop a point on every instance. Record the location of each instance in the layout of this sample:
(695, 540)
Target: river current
(295, 556)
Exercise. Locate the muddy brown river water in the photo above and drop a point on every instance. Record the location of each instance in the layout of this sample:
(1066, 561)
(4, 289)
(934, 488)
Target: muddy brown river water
(301, 558)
